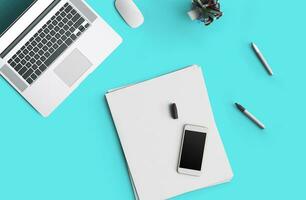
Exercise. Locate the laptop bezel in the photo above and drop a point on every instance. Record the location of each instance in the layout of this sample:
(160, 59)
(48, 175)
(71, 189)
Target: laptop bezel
(23, 22)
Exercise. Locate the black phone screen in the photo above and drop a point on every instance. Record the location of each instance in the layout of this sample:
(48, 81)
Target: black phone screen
(192, 150)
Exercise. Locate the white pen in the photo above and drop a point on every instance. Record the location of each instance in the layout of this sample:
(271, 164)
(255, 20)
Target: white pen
(250, 116)
(262, 58)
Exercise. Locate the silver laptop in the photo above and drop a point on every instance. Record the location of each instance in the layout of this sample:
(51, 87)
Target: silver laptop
(50, 46)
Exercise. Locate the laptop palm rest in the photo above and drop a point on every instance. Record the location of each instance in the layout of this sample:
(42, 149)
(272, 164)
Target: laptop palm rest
(73, 67)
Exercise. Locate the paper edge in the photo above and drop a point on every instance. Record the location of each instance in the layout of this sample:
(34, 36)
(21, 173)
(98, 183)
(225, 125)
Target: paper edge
(149, 79)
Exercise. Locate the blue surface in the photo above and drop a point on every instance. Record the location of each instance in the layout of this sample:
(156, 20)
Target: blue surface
(75, 153)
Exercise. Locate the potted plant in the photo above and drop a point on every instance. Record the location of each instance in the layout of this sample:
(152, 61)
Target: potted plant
(205, 11)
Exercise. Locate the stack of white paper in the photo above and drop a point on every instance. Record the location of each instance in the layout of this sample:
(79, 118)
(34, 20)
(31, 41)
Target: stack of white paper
(151, 139)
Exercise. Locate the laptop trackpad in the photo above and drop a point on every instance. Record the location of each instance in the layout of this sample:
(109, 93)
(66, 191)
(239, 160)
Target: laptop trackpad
(73, 67)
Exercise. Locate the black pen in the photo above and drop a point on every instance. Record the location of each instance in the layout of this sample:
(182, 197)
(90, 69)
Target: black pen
(250, 116)
(173, 110)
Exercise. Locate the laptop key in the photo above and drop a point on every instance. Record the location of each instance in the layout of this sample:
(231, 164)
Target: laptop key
(66, 27)
(78, 23)
(17, 60)
(68, 41)
(13, 64)
(34, 67)
(25, 51)
(47, 54)
(22, 71)
(59, 18)
(18, 67)
(52, 32)
(64, 37)
(55, 46)
(69, 16)
(56, 29)
(32, 60)
(43, 58)
(61, 24)
(36, 49)
(29, 80)
(81, 28)
(72, 29)
(42, 35)
(56, 54)
(33, 76)
(40, 52)
(27, 74)
(37, 72)
(70, 23)
(48, 37)
(68, 8)
(38, 63)
(38, 39)
(59, 42)
(53, 40)
(34, 43)
(76, 17)
(30, 47)
(50, 26)
(51, 50)
(68, 33)
(28, 65)
(62, 31)
(57, 35)
(21, 55)
(42, 68)
(73, 37)
(73, 12)
(32, 53)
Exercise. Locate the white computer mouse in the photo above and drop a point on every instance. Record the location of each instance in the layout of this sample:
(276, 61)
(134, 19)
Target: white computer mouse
(130, 12)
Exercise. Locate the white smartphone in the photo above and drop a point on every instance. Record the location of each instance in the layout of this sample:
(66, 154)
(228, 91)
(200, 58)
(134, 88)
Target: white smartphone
(192, 150)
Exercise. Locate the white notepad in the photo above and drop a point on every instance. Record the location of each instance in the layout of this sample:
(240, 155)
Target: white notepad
(151, 139)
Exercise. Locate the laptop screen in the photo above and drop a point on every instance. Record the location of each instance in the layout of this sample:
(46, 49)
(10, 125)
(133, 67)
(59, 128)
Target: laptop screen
(11, 10)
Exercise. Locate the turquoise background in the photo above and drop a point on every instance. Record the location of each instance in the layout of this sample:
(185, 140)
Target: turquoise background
(75, 153)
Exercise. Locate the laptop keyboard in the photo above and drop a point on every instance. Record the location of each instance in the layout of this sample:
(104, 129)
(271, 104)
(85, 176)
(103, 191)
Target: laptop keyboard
(48, 43)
